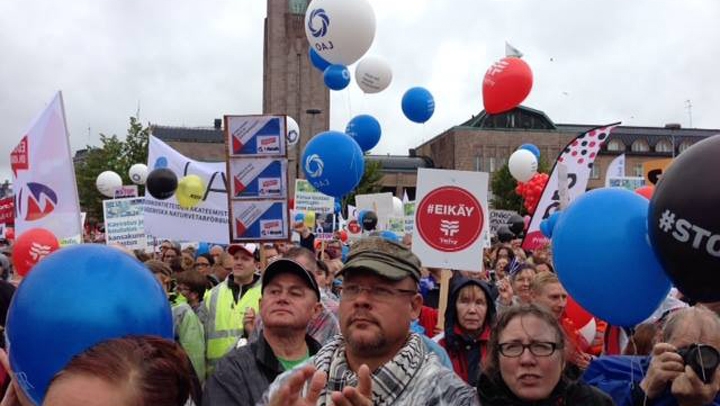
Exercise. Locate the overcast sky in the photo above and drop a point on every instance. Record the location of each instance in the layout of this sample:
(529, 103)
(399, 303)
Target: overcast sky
(185, 63)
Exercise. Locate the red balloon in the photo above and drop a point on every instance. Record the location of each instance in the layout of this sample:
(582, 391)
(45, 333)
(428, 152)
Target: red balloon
(576, 313)
(32, 246)
(507, 83)
(646, 191)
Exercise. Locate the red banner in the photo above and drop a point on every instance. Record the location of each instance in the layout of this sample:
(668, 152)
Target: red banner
(7, 211)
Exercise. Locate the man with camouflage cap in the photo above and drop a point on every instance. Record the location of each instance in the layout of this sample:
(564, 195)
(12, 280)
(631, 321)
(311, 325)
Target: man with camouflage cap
(376, 360)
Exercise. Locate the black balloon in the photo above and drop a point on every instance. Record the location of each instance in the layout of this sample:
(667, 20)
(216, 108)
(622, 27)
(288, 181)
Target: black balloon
(504, 234)
(161, 183)
(516, 224)
(369, 220)
(684, 221)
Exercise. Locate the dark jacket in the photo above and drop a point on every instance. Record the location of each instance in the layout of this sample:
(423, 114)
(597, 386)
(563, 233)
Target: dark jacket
(466, 352)
(243, 375)
(620, 377)
(565, 394)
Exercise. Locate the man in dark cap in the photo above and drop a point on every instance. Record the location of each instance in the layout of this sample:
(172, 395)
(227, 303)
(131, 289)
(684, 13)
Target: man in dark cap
(376, 360)
(290, 299)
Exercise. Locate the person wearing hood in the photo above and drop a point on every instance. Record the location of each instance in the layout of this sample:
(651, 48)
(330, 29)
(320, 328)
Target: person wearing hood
(470, 313)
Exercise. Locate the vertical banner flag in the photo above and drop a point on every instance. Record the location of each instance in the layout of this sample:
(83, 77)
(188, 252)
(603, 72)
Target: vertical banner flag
(451, 218)
(206, 222)
(578, 157)
(44, 178)
(616, 169)
(257, 164)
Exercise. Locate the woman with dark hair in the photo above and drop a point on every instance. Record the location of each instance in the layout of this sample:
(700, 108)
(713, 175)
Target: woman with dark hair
(468, 317)
(130, 371)
(526, 363)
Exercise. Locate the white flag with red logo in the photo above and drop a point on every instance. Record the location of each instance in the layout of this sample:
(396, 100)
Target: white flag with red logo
(44, 178)
(578, 158)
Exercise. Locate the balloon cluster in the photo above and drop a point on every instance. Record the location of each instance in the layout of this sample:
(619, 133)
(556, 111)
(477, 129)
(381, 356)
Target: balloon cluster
(531, 191)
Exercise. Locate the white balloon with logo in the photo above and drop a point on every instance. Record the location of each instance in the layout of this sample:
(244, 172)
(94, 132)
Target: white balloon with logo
(138, 174)
(340, 31)
(373, 74)
(292, 132)
(107, 182)
(522, 165)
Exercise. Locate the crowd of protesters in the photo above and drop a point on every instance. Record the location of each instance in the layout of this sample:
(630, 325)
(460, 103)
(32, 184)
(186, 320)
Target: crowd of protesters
(320, 324)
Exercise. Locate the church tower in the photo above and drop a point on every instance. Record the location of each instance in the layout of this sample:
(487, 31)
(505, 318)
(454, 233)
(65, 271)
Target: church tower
(291, 85)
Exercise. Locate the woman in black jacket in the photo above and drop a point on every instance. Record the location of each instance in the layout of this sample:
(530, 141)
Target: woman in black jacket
(526, 362)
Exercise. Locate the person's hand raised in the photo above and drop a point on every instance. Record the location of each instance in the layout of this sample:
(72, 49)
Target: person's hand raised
(665, 366)
(290, 393)
(689, 390)
(360, 396)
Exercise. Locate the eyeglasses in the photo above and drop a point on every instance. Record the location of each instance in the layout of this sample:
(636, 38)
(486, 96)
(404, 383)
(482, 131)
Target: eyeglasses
(537, 348)
(350, 291)
(201, 265)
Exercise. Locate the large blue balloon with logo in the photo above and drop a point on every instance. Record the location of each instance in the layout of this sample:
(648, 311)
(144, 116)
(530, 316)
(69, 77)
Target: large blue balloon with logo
(317, 60)
(604, 259)
(333, 163)
(75, 298)
(336, 77)
(365, 129)
(418, 104)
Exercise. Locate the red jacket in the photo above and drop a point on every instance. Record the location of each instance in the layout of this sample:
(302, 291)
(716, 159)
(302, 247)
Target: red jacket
(460, 356)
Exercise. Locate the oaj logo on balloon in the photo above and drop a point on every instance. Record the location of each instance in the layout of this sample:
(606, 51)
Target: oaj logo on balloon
(314, 166)
(320, 17)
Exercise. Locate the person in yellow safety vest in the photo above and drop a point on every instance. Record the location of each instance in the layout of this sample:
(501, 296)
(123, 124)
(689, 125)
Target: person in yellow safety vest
(227, 302)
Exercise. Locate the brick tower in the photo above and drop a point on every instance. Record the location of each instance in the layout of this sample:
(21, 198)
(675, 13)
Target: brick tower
(291, 85)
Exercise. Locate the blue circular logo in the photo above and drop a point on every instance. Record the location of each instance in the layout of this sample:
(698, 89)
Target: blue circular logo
(318, 16)
(314, 166)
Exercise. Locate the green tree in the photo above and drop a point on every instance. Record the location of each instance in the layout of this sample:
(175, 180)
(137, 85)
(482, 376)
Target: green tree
(113, 154)
(503, 187)
(370, 183)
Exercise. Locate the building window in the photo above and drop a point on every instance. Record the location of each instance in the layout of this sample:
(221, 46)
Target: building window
(478, 164)
(595, 171)
(491, 164)
(616, 145)
(298, 6)
(683, 146)
(639, 146)
(663, 146)
(638, 170)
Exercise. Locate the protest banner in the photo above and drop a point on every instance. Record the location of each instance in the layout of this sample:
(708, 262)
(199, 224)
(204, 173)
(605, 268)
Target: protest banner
(125, 191)
(626, 182)
(451, 218)
(206, 222)
(124, 223)
(44, 177)
(380, 203)
(307, 198)
(499, 218)
(7, 211)
(578, 158)
(409, 209)
(257, 162)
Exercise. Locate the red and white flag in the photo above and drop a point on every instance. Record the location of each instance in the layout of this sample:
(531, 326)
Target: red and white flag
(44, 177)
(578, 158)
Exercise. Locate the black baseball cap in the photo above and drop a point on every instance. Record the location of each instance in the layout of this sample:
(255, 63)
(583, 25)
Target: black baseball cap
(285, 265)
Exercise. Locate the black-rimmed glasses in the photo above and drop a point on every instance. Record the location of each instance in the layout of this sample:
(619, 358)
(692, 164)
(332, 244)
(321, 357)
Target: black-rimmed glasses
(537, 348)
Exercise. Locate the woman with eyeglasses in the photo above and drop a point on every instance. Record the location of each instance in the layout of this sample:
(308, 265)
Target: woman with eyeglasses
(526, 362)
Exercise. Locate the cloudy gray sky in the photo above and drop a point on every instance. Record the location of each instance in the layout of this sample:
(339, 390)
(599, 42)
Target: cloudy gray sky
(187, 62)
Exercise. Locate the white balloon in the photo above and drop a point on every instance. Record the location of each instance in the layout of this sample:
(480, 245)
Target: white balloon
(341, 31)
(373, 74)
(292, 132)
(398, 207)
(523, 165)
(107, 182)
(138, 174)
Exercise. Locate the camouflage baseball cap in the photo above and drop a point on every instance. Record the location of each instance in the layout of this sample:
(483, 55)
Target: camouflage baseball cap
(384, 258)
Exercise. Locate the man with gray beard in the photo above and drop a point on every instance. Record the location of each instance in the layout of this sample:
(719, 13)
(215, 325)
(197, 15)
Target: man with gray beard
(376, 360)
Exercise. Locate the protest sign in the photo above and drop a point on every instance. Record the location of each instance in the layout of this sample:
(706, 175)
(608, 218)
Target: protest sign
(124, 223)
(125, 191)
(307, 198)
(626, 182)
(499, 218)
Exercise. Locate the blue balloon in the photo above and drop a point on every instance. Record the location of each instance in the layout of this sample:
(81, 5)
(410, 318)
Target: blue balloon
(604, 259)
(547, 225)
(390, 236)
(336, 77)
(317, 60)
(333, 163)
(364, 129)
(203, 248)
(532, 148)
(75, 298)
(299, 217)
(418, 104)
(360, 215)
(338, 205)
(345, 251)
